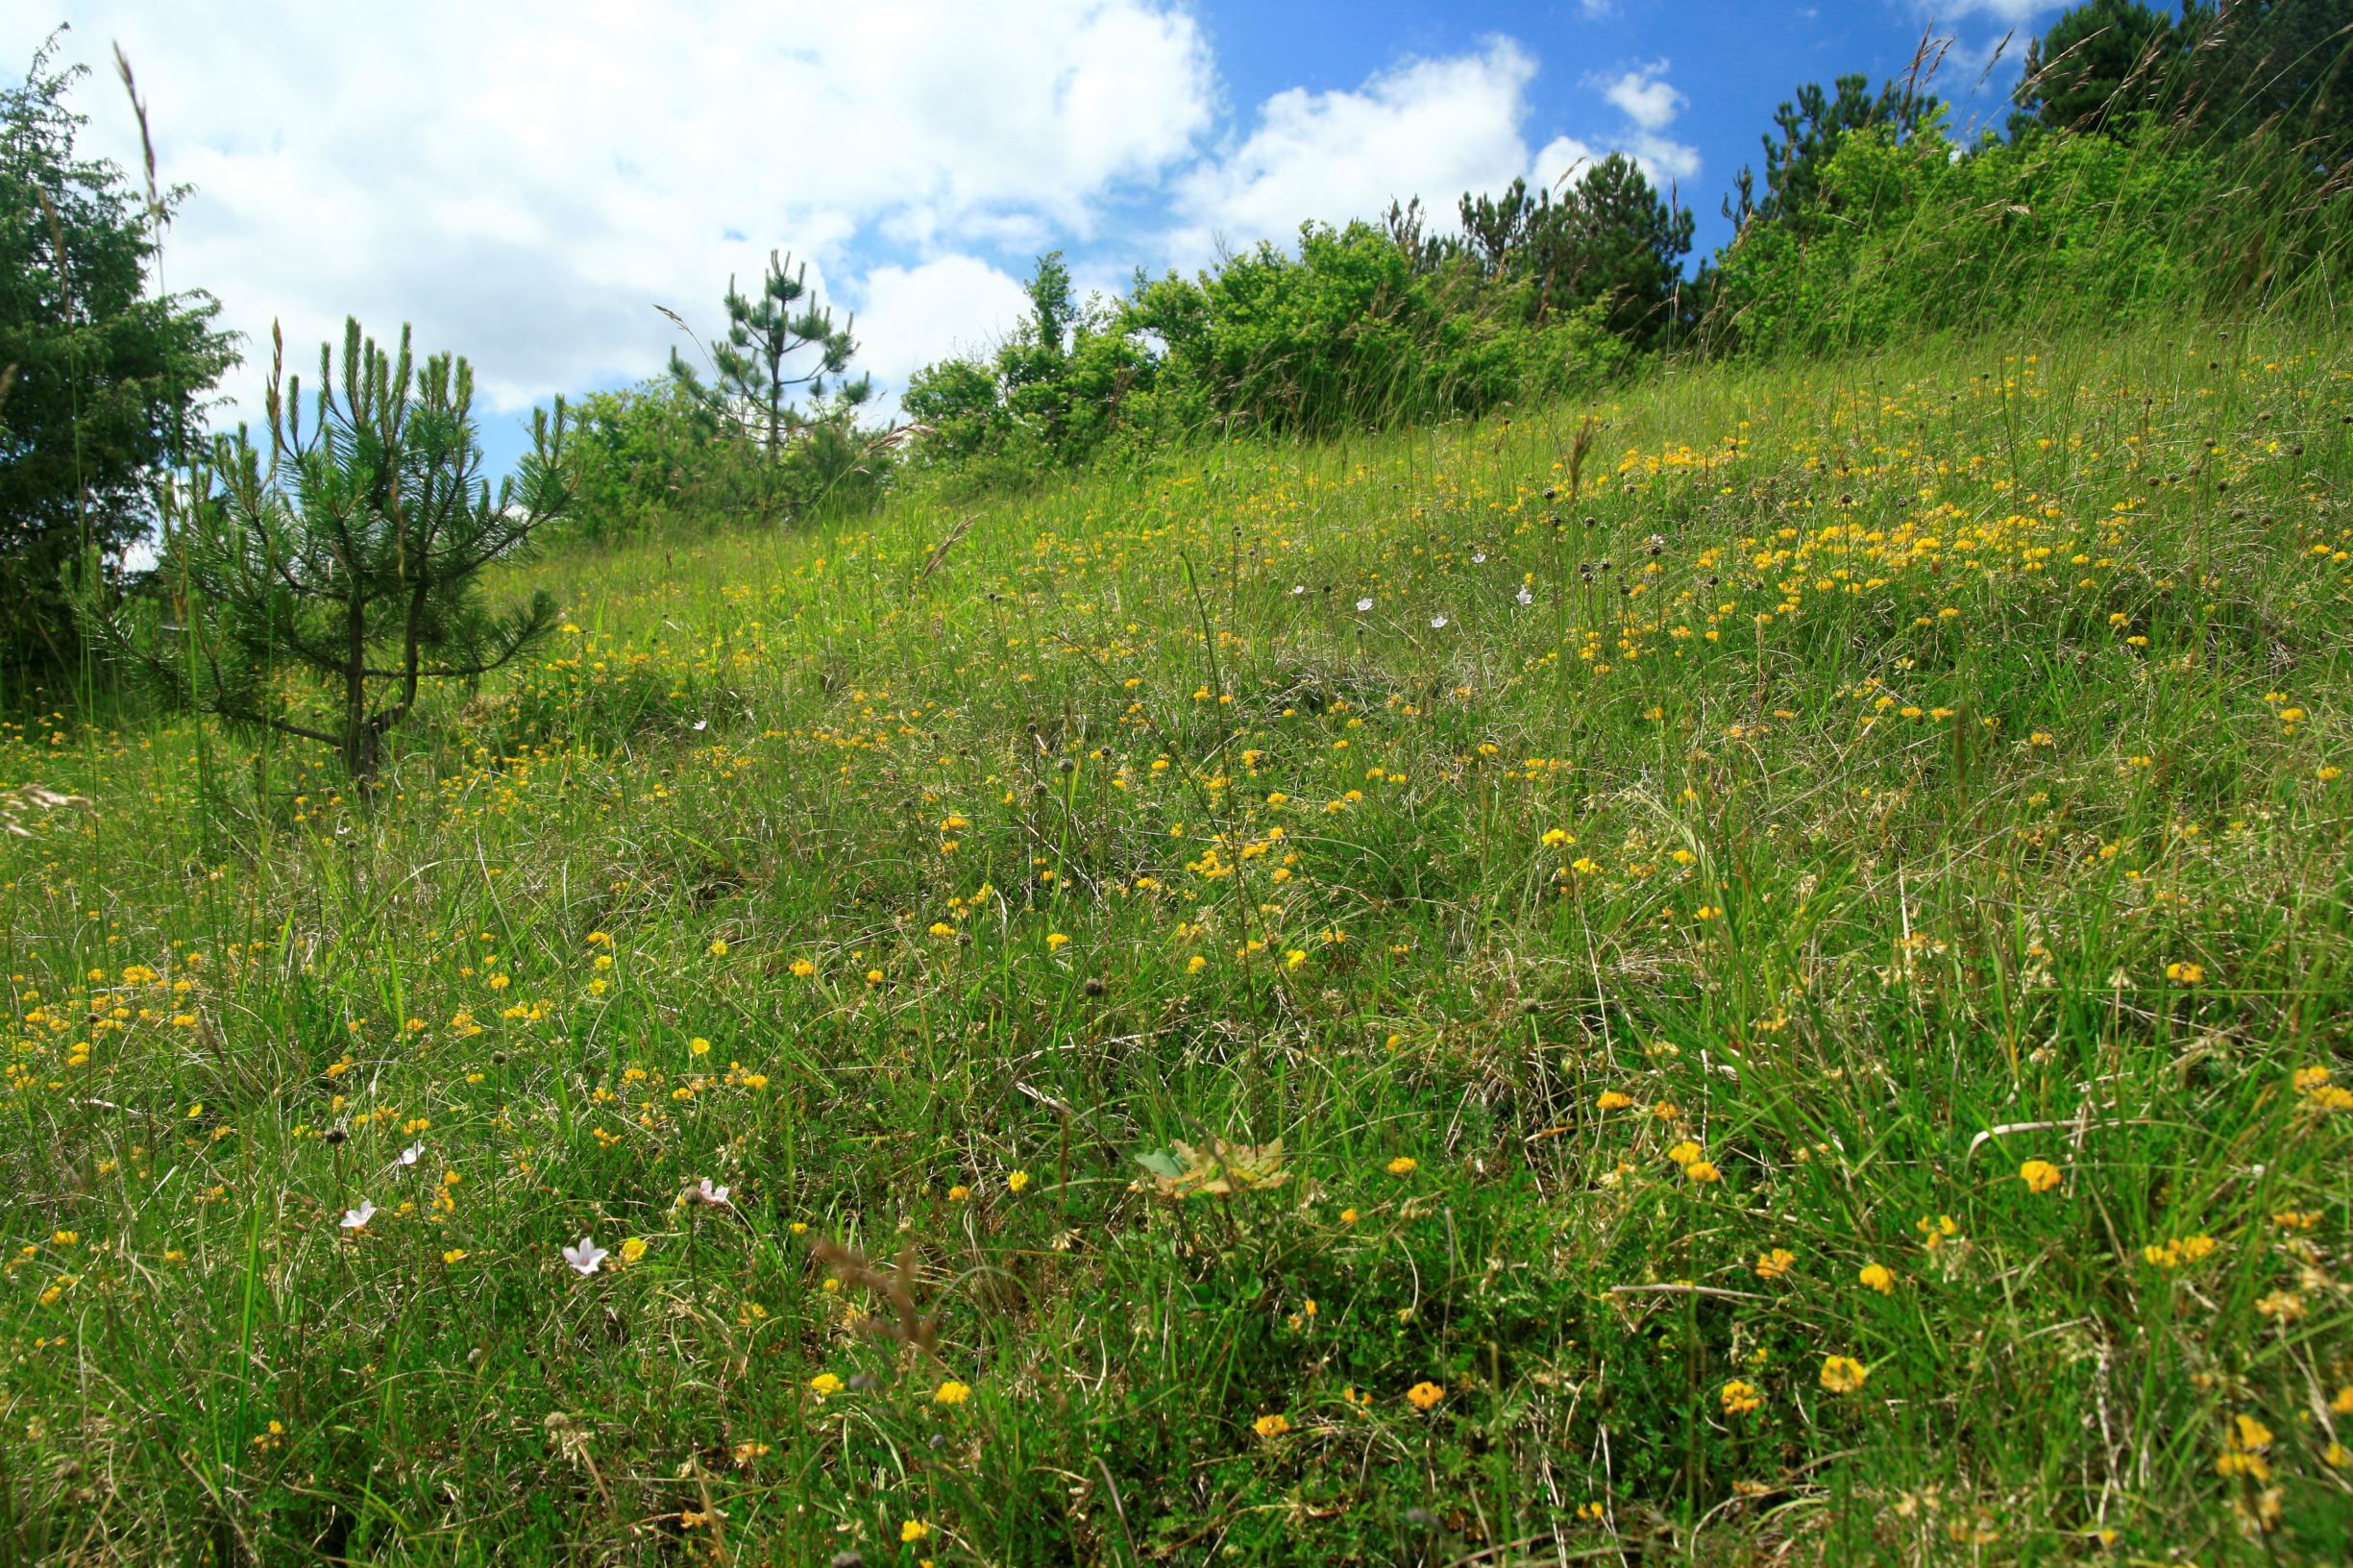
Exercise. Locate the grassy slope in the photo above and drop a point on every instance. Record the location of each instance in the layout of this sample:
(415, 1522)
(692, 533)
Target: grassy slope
(1891, 754)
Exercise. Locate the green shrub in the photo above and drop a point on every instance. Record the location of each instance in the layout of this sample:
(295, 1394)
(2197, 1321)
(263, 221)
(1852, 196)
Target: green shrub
(2055, 229)
(1354, 331)
(651, 452)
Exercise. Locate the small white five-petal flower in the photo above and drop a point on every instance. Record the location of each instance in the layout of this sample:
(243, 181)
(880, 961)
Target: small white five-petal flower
(357, 1218)
(715, 1196)
(585, 1257)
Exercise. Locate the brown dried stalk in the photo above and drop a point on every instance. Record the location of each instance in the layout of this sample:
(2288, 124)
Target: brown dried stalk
(1578, 450)
(909, 1324)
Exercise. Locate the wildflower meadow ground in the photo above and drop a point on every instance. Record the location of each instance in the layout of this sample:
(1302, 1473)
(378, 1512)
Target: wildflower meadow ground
(1765, 977)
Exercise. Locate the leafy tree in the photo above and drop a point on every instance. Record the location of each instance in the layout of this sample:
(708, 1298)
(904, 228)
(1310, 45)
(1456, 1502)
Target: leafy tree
(1346, 335)
(105, 375)
(958, 404)
(779, 346)
(1032, 364)
(2097, 64)
(326, 580)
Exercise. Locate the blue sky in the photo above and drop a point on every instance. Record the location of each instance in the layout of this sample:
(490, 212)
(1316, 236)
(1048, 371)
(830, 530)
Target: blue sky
(529, 199)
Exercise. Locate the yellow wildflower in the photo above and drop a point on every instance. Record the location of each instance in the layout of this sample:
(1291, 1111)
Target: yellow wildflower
(1843, 1374)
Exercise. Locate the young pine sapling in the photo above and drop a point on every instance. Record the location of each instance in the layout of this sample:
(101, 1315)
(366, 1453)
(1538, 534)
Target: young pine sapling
(314, 588)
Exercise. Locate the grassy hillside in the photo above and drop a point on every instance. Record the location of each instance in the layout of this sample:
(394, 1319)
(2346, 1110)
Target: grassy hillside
(1780, 995)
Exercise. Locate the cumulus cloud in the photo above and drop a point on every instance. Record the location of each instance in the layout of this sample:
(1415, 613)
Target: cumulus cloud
(1645, 96)
(949, 304)
(1432, 127)
(1559, 161)
(1651, 105)
(525, 180)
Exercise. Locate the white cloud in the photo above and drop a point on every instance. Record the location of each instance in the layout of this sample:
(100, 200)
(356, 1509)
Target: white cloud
(525, 180)
(1432, 128)
(949, 304)
(1560, 162)
(2009, 12)
(1664, 160)
(1645, 96)
(1651, 105)
(1427, 128)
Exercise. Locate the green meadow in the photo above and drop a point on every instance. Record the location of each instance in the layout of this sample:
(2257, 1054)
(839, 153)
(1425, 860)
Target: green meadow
(1753, 968)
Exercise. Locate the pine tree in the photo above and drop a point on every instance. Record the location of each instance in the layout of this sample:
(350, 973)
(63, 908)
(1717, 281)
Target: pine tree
(1622, 244)
(2097, 66)
(1811, 129)
(2282, 64)
(764, 364)
(1501, 231)
(321, 583)
(1610, 238)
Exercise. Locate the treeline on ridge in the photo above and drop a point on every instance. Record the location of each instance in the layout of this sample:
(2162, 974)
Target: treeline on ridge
(2155, 164)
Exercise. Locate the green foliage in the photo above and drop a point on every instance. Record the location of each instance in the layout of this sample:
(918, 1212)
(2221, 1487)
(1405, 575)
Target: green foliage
(1612, 242)
(652, 454)
(2282, 68)
(1345, 334)
(957, 403)
(2275, 68)
(103, 377)
(316, 588)
(1064, 381)
(1357, 329)
(2099, 66)
(1623, 250)
(1812, 128)
(2054, 227)
(1349, 334)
